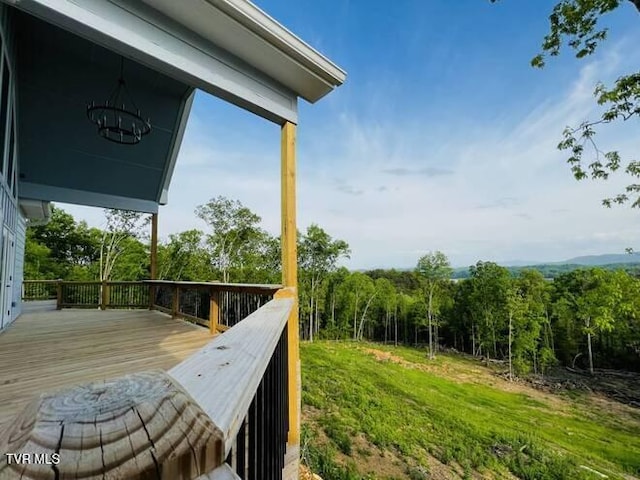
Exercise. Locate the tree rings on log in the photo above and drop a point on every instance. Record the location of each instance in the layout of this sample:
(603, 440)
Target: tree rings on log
(140, 426)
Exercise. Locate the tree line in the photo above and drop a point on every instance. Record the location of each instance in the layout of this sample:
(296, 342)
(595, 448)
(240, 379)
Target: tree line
(585, 318)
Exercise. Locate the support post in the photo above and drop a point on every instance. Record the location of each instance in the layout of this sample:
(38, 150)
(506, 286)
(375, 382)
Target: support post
(104, 298)
(59, 294)
(175, 305)
(214, 310)
(153, 274)
(290, 272)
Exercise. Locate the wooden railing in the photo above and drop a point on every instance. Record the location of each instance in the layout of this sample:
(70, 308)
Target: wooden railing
(240, 380)
(216, 305)
(39, 290)
(223, 413)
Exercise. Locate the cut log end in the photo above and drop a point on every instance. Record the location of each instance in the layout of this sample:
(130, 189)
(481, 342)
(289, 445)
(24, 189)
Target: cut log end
(142, 425)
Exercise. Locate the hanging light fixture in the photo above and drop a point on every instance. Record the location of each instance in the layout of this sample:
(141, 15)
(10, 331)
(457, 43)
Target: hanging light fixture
(115, 121)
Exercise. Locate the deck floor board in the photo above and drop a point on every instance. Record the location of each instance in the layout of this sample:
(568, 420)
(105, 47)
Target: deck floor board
(45, 351)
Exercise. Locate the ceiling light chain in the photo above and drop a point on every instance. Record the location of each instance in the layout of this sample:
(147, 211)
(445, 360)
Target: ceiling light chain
(114, 121)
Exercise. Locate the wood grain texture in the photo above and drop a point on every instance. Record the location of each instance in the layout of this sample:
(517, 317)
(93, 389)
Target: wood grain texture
(289, 272)
(142, 425)
(223, 376)
(288, 205)
(44, 351)
(154, 247)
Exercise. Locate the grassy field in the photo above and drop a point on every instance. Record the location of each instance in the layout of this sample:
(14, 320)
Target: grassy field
(382, 412)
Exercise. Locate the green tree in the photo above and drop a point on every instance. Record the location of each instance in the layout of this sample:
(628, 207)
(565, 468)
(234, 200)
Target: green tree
(535, 344)
(516, 312)
(576, 24)
(386, 305)
(318, 255)
(235, 234)
(589, 298)
(183, 257)
(332, 293)
(434, 270)
(354, 297)
(122, 226)
(264, 263)
(490, 286)
(37, 259)
(53, 250)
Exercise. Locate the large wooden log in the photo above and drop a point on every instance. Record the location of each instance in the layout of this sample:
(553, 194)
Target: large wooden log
(141, 426)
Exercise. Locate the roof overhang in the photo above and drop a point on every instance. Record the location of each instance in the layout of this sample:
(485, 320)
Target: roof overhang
(247, 32)
(229, 48)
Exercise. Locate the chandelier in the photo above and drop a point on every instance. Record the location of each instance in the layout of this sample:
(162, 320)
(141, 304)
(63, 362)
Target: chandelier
(115, 121)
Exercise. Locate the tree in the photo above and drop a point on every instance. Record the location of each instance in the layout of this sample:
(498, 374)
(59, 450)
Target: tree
(354, 296)
(333, 328)
(589, 298)
(235, 233)
(515, 308)
(575, 22)
(121, 227)
(37, 259)
(386, 304)
(434, 269)
(181, 257)
(53, 250)
(534, 342)
(490, 285)
(318, 255)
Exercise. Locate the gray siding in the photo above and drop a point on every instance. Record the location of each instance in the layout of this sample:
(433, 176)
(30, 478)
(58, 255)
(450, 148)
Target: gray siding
(12, 226)
(18, 275)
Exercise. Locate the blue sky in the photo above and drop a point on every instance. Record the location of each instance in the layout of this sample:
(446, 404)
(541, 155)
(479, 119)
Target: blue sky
(442, 138)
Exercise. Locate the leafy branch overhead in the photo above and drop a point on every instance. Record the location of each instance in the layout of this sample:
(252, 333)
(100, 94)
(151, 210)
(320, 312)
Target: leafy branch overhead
(576, 23)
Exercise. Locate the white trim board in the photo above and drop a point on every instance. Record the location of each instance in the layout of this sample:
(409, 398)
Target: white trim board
(135, 30)
(80, 197)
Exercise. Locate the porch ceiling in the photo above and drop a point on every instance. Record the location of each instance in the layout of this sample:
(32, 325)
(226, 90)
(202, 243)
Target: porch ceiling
(62, 157)
(69, 53)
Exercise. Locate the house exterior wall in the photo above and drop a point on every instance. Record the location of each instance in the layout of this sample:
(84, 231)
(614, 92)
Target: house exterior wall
(12, 228)
(18, 275)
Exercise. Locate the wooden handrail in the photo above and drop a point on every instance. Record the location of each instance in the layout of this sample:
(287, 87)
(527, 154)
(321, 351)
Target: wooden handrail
(267, 289)
(194, 417)
(224, 375)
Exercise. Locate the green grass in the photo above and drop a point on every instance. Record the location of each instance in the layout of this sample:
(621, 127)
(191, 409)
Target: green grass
(455, 415)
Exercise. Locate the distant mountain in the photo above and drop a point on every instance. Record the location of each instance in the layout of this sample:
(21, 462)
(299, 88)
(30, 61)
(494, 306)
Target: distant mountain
(584, 261)
(518, 263)
(606, 259)
(613, 261)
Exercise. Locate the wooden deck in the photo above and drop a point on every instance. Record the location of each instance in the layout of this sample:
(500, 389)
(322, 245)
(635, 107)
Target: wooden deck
(44, 351)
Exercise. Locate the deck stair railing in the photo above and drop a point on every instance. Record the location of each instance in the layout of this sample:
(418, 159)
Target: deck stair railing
(222, 413)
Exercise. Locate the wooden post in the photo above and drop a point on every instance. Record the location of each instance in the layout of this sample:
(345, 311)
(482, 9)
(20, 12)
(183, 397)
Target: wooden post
(214, 310)
(59, 295)
(153, 274)
(154, 246)
(175, 305)
(104, 298)
(153, 400)
(290, 272)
